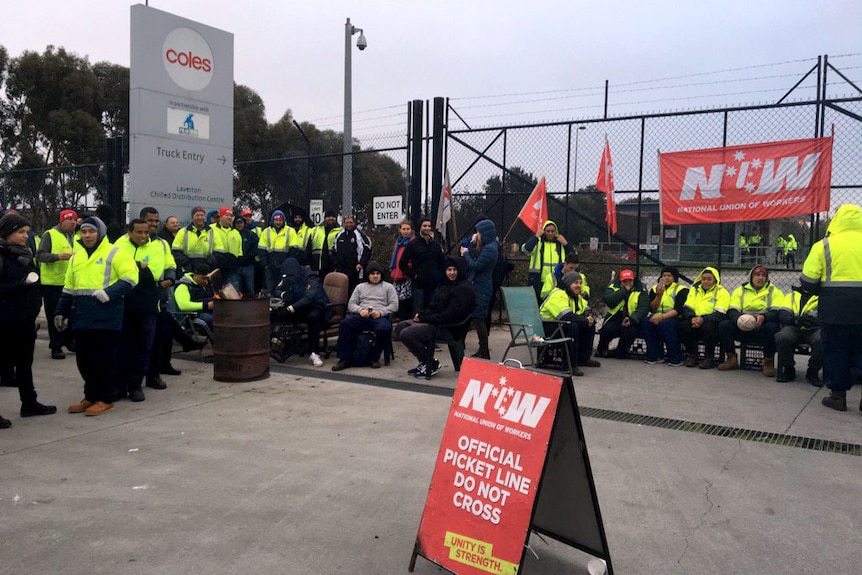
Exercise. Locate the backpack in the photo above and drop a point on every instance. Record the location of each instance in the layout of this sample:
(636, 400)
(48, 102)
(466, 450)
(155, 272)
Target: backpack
(363, 354)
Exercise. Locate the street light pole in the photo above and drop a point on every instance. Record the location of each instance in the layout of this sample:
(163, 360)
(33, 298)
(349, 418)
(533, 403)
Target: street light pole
(308, 162)
(347, 179)
(577, 133)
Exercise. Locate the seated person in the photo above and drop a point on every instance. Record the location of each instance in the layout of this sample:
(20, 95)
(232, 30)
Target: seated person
(567, 305)
(705, 306)
(667, 299)
(803, 328)
(765, 302)
(304, 301)
(572, 264)
(628, 305)
(194, 294)
(370, 307)
(453, 302)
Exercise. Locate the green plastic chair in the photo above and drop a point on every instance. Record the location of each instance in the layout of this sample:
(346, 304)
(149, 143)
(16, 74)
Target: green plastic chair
(525, 324)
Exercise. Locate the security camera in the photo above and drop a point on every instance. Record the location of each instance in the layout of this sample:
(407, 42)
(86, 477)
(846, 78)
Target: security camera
(361, 42)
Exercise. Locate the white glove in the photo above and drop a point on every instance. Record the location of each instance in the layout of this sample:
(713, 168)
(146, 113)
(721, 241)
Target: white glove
(31, 278)
(101, 295)
(61, 322)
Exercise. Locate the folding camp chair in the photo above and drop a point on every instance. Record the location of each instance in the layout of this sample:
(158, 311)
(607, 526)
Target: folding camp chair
(526, 327)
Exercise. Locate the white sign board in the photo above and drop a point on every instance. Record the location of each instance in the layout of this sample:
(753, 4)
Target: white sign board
(594, 244)
(180, 115)
(315, 211)
(387, 210)
(649, 247)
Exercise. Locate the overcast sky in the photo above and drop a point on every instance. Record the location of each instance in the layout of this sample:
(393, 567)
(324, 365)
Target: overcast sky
(554, 56)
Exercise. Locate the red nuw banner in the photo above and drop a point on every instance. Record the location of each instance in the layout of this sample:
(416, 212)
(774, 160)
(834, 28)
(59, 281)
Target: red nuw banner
(746, 183)
(485, 482)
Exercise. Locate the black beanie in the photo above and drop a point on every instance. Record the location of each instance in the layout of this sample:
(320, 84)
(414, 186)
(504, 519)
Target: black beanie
(10, 223)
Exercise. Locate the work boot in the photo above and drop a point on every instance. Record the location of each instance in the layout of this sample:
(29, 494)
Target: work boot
(812, 377)
(99, 408)
(591, 363)
(691, 361)
(836, 400)
(785, 374)
(5, 423)
(730, 363)
(707, 363)
(32, 408)
(81, 406)
(155, 382)
(577, 372)
(342, 364)
(169, 370)
(57, 354)
(768, 367)
(137, 394)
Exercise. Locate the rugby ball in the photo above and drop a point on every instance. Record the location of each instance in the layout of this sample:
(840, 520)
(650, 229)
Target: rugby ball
(746, 322)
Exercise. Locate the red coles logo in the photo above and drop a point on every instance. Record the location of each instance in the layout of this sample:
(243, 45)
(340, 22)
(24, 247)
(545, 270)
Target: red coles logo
(188, 59)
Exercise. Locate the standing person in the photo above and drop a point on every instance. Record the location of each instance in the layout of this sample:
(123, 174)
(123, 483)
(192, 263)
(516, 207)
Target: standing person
(53, 256)
(400, 280)
(452, 304)
(790, 247)
(833, 270)
(321, 243)
(272, 249)
(567, 305)
(779, 248)
(194, 243)
(667, 300)
(141, 306)
(19, 305)
(481, 268)
(98, 277)
(245, 262)
(765, 302)
(705, 307)
(169, 231)
(422, 262)
(227, 248)
(105, 212)
(370, 306)
(804, 327)
(627, 305)
(212, 218)
(298, 235)
(352, 252)
(546, 250)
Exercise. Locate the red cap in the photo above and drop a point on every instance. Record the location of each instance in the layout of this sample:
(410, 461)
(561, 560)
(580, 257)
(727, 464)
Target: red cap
(246, 212)
(68, 215)
(225, 212)
(627, 275)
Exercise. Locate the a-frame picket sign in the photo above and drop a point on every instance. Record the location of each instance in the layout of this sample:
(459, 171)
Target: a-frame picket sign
(513, 459)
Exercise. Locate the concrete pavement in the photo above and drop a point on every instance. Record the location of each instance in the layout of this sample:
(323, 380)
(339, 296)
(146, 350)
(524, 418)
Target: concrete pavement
(317, 472)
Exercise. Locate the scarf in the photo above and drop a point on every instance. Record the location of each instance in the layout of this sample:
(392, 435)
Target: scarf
(400, 242)
(22, 252)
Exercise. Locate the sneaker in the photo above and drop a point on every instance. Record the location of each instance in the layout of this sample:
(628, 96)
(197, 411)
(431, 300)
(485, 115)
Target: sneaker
(654, 361)
(417, 369)
(58, 354)
(342, 364)
(706, 364)
(81, 406)
(674, 363)
(315, 359)
(691, 362)
(435, 369)
(36, 408)
(99, 408)
(137, 395)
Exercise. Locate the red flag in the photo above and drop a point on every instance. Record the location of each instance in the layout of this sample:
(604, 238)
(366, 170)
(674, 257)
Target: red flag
(605, 183)
(535, 212)
(751, 182)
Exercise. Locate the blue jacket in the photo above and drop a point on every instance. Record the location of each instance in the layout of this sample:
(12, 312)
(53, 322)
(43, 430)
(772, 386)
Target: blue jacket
(482, 267)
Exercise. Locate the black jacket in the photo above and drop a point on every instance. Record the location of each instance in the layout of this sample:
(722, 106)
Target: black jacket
(249, 248)
(422, 261)
(346, 253)
(453, 302)
(19, 302)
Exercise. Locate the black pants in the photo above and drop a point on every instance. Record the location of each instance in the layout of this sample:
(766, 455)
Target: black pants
(17, 342)
(96, 354)
(706, 333)
(163, 342)
(613, 328)
(764, 335)
(313, 318)
(582, 334)
(416, 337)
(50, 296)
(136, 342)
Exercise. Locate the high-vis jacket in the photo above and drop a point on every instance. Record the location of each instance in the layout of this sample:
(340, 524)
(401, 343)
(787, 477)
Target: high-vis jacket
(544, 257)
(634, 304)
(191, 297)
(790, 244)
(560, 303)
(712, 303)
(52, 270)
(193, 245)
(298, 238)
(833, 268)
(274, 245)
(107, 268)
(804, 315)
(160, 265)
(321, 241)
(668, 298)
(768, 301)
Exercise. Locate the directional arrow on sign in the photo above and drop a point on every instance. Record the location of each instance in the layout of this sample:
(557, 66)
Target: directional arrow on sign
(223, 160)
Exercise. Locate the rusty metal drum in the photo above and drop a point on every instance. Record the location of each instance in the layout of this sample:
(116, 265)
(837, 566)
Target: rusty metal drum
(241, 332)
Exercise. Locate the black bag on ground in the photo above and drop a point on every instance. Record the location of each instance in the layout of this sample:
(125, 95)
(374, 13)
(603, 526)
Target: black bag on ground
(363, 354)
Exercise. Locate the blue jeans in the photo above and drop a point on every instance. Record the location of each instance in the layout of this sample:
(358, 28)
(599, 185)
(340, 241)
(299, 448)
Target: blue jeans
(665, 331)
(244, 277)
